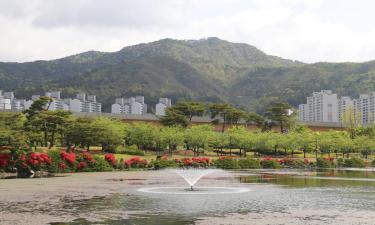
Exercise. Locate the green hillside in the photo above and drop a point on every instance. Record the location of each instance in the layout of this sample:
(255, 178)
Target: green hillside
(207, 70)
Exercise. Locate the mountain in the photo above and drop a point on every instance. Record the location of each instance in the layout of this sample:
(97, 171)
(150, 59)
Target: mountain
(207, 70)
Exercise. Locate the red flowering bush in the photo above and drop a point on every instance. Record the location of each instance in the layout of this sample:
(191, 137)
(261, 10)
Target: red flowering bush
(88, 157)
(111, 159)
(193, 162)
(81, 166)
(226, 162)
(62, 166)
(68, 157)
(270, 163)
(135, 162)
(292, 163)
(34, 161)
(329, 158)
(4, 161)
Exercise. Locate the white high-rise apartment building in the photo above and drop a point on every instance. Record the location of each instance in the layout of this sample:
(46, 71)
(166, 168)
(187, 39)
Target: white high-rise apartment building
(345, 103)
(303, 112)
(133, 105)
(83, 103)
(162, 105)
(363, 109)
(321, 107)
(9, 102)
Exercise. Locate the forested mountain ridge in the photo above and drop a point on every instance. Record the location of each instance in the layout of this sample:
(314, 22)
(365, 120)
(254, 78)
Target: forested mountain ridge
(207, 70)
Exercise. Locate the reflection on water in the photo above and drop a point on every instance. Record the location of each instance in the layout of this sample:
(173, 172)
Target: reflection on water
(320, 178)
(146, 219)
(273, 192)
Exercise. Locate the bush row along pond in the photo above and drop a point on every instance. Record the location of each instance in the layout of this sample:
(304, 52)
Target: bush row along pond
(62, 162)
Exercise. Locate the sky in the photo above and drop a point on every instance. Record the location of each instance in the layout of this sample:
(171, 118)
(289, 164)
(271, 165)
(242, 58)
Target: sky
(304, 30)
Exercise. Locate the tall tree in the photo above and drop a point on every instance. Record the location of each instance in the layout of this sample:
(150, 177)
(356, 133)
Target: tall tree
(51, 123)
(351, 120)
(281, 114)
(182, 113)
(38, 106)
(222, 110)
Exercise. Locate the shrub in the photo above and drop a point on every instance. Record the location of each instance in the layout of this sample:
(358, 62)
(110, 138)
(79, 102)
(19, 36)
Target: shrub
(294, 163)
(109, 149)
(85, 162)
(131, 152)
(161, 164)
(249, 163)
(373, 163)
(270, 164)
(58, 165)
(136, 162)
(226, 162)
(4, 161)
(100, 165)
(324, 163)
(340, 162)
(354, 162)
(111, 159)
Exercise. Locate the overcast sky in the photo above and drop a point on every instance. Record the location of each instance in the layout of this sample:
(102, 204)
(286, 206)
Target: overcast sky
(305, 30)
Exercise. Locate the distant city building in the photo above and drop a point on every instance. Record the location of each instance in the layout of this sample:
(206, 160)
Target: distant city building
(345, 104)
(9, 102)
(84, 104)
(162, 105)
(303, 112)
(362, 108)
(324, 106)
(133, 105)
(321, 107)
(5, 104)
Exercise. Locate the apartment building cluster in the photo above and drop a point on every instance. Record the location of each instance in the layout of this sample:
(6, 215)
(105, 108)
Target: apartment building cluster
(326, 106)
(81, 103)
(9, 102)
(137, 106)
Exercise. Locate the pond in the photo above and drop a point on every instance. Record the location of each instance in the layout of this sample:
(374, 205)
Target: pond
(273, 197)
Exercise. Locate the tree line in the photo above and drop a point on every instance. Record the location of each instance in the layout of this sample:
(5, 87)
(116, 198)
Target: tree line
(39, 127)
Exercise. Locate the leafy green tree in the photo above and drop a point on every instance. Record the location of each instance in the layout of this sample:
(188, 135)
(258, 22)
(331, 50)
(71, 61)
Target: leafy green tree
(254, 118)
(241, 138)
(174, 118)
(182, 113)
(86, 132)
(351, 120)
(280, 114)
(219, 141)
(38, 106)
(365, 145)
(11, 129)
(172, 137)
(50, 123)
(197, 137)
(235, 115)
(225, 112)
(143, 135)
(304, 138)
(81, 133)
(109, 132)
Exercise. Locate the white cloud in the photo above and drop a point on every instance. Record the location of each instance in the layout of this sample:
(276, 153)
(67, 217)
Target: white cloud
(306, 30)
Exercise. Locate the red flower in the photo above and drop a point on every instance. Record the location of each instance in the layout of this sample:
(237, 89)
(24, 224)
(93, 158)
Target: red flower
(62, 166)
(110, 158)
(69, 157)
(4, 160)
(88, 157)
(81, 165)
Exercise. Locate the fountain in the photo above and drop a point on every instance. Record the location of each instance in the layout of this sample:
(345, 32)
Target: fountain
(192, 176)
